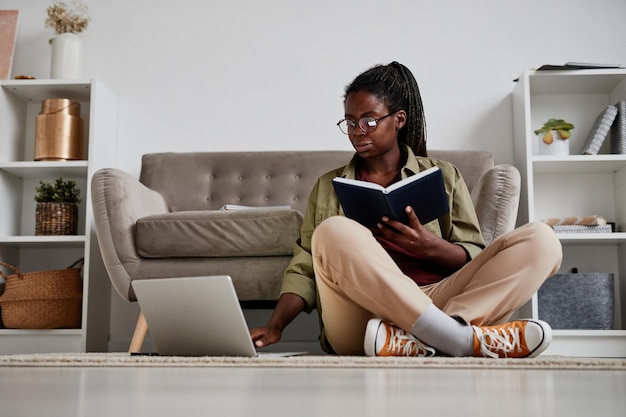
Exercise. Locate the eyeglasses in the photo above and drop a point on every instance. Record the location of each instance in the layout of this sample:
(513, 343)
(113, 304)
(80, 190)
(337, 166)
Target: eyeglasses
(366, 124)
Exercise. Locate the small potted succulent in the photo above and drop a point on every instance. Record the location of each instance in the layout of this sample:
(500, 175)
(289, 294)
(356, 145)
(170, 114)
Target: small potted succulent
(554, 135)
(57, 208)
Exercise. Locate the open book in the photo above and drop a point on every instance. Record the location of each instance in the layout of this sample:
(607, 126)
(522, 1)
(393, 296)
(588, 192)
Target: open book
(240, 207)
(367, 202)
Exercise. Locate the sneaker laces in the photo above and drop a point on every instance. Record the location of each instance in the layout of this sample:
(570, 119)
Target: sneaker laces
(492, 341)
(405, 344)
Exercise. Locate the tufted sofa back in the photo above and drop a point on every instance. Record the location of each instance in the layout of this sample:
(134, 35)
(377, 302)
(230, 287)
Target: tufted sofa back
(208, 180)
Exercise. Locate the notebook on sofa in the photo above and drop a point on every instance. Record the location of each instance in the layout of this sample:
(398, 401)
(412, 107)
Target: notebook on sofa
(196, 316)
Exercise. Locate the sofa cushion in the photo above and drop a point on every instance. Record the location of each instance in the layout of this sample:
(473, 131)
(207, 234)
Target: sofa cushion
(215, 233)
(496, 199)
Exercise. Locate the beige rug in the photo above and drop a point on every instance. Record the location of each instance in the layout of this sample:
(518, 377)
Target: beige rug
(308, 361)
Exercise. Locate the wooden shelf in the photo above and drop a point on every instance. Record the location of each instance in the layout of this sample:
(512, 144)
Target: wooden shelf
(573, 185)
(19, 177)
(595, 239)
(578, 164)
(43, 169)
(596, 81)
(38, 90)
(33, 242)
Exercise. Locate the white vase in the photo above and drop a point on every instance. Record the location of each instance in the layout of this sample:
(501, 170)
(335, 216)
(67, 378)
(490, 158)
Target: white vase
(67, 56)
(558, 147)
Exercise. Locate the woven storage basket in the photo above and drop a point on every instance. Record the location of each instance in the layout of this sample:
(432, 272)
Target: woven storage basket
(56, 219)
(578, 301)
(49, 299)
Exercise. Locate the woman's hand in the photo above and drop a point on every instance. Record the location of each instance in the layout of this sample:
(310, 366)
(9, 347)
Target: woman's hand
(422, 243)
(266, 335)
(288, 307)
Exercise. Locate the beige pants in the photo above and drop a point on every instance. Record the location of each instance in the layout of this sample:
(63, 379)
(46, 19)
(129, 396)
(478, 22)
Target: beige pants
(357, 280)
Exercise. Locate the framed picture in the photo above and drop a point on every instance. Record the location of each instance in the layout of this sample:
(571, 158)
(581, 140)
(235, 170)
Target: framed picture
(8, 35)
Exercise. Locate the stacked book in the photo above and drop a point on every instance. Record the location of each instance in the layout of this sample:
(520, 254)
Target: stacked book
(579, 224)
(612, 119)
(618, 129)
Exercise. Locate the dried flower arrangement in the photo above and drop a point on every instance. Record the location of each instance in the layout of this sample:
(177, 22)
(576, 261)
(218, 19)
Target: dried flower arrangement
(68, 17)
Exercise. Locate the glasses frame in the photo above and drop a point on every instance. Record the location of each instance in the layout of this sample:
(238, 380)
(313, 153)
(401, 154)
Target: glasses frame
(367, 129)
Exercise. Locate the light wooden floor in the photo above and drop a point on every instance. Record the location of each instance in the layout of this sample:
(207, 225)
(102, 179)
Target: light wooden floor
(259, 392)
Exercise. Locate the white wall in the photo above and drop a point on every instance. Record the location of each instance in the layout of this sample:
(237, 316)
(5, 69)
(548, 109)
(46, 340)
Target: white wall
(263, 75)
(196, 75)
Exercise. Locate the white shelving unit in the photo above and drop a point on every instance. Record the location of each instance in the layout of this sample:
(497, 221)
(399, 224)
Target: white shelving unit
(575, 185)
(20, 103)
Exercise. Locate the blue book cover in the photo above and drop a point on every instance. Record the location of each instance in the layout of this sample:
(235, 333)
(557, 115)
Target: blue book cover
(367, 202)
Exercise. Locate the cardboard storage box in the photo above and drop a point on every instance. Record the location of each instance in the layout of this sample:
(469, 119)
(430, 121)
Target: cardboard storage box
(577, 301)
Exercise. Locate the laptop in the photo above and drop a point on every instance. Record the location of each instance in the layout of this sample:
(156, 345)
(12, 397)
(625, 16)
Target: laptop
(196, 316)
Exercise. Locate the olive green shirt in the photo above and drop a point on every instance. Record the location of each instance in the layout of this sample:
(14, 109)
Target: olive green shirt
(460, 226)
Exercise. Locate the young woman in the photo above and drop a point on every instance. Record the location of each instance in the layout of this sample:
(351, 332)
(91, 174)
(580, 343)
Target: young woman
(416, 289)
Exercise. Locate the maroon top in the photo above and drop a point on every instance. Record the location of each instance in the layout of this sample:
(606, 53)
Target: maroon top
(422, 272)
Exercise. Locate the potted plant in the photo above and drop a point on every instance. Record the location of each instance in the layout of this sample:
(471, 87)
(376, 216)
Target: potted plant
(57, 208)
(554, 136)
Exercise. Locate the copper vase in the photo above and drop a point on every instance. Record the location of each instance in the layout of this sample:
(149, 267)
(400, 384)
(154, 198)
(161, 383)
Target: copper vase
(59, 133)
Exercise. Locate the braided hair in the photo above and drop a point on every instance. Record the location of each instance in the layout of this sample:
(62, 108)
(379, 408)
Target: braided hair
(395, 85)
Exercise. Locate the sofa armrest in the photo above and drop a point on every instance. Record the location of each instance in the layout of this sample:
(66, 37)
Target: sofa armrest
(496, 199)
(118, 201)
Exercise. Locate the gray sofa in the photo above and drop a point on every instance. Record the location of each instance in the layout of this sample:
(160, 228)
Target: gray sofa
(168, 223)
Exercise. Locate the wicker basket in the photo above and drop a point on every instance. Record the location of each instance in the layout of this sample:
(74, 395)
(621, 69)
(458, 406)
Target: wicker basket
(56, 219)
(578, 301)
(44, 299)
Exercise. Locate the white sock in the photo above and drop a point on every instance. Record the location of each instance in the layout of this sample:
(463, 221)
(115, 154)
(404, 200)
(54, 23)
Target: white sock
(444, 333)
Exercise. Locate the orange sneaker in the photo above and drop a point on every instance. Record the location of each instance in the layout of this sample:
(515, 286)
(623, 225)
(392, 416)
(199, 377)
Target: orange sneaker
(517, 339)
(385, 339)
